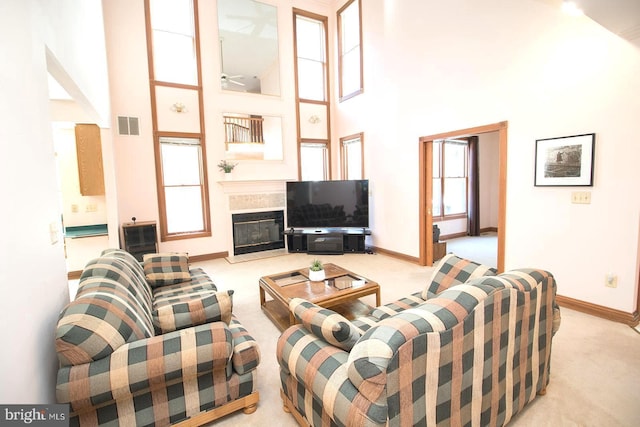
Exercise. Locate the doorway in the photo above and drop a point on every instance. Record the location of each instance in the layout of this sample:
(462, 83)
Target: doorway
(87, 217)
(426, 186)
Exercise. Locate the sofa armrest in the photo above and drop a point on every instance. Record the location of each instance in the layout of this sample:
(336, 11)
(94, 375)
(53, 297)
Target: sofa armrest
(322, 369)
(295, 349)
(147, 364)
(246, 353)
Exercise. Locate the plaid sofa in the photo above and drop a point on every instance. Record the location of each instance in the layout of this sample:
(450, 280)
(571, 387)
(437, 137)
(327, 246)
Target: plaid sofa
(473, 348)
(142, 346)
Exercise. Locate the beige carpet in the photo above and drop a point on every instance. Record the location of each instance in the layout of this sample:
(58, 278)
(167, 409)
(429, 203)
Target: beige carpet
(482, 249)
(595, 366)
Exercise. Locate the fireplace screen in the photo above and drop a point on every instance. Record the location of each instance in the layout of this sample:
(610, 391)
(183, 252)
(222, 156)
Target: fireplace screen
(257, 231)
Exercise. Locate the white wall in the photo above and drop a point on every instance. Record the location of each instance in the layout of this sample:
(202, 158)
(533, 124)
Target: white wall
(426, 65)
(32, 267)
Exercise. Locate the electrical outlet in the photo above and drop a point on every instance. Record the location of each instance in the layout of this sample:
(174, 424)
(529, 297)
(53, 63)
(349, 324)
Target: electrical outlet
(611, 280)
(581, 197)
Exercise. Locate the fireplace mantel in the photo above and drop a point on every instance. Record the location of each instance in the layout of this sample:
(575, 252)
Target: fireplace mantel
(251, 186)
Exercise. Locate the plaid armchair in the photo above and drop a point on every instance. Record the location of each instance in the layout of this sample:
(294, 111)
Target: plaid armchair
(145, 347)
(473, 354)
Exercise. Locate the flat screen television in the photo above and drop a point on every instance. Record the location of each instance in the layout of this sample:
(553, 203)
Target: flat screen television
(328, 204)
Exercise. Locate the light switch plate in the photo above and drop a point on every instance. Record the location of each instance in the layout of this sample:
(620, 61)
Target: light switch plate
(581, 197)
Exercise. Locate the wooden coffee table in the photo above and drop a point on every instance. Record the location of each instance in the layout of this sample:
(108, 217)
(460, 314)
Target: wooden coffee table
(281, 287)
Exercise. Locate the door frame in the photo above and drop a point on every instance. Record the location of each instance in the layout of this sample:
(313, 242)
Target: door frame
(426, 186)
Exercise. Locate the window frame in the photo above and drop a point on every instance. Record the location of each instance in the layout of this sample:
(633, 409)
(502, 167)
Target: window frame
(157, 135)
(162, 184)
(325, 157)
(342, 96)
(323, 20)
(442, 176)
(344, 157)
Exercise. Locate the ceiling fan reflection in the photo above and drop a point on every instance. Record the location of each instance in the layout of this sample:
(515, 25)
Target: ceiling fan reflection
(226, 79)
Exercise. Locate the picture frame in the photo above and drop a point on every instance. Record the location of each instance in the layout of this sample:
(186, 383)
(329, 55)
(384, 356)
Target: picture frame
(565, 161)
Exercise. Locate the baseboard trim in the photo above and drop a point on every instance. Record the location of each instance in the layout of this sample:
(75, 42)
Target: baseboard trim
(453, 236)
(489, 230)
(208, 257)
(73, 275)
(631, 319)
(397, 255)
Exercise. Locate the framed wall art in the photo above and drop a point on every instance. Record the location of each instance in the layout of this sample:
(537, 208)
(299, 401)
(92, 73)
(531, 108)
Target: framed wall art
(565, 161)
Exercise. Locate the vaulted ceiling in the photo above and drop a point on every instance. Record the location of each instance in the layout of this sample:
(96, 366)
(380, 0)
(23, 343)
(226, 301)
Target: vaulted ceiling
(621, 17)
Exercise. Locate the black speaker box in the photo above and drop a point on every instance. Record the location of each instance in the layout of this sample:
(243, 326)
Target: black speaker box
(325, 244)
(297, 243)
(353, 243)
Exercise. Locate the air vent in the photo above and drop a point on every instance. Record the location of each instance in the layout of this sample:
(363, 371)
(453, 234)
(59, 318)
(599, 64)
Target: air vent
(128, 126)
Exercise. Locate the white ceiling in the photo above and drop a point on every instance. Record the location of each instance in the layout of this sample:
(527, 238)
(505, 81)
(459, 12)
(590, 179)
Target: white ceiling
(621, 17)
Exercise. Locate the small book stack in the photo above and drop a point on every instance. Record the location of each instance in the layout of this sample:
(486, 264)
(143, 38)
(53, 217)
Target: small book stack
(343, 282)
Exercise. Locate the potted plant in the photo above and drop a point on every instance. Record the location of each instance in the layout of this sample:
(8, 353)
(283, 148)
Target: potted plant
(226, 167)
(316, 271)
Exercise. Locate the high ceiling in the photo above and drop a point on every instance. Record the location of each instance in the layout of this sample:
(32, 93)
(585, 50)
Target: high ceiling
(621, 17)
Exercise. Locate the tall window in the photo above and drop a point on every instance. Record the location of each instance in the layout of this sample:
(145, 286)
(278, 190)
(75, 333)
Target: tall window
(312, 86)
(311, 58)
(181, 172)
(313, 158)
(182, 185)
(351, 150)
(350, 49)
(450, 179)
(174, 49)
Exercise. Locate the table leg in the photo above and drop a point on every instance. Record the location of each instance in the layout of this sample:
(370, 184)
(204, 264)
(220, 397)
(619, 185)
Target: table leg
(263, 299)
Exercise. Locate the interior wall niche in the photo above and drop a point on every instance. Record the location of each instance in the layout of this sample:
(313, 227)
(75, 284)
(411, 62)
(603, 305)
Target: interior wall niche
(248, 36)
(252, 136)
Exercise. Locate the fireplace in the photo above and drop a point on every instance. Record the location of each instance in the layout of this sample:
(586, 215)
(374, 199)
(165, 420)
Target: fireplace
(257, 231)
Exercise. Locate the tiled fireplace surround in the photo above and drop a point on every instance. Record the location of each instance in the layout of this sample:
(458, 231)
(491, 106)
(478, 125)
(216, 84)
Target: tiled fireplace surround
(251, 196)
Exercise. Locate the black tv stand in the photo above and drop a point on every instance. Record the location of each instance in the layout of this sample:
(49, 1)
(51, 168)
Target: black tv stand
(327, 241)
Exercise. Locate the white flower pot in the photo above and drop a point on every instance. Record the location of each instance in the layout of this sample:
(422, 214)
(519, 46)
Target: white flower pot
(228, 176)
(316, 276)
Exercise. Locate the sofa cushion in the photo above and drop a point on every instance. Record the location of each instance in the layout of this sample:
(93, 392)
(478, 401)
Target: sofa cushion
(453, 270)
(127, 257)
(397, 306)
(175, 313)
(200, 283)
(166, 268)
(115, 267)
(325, 324)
